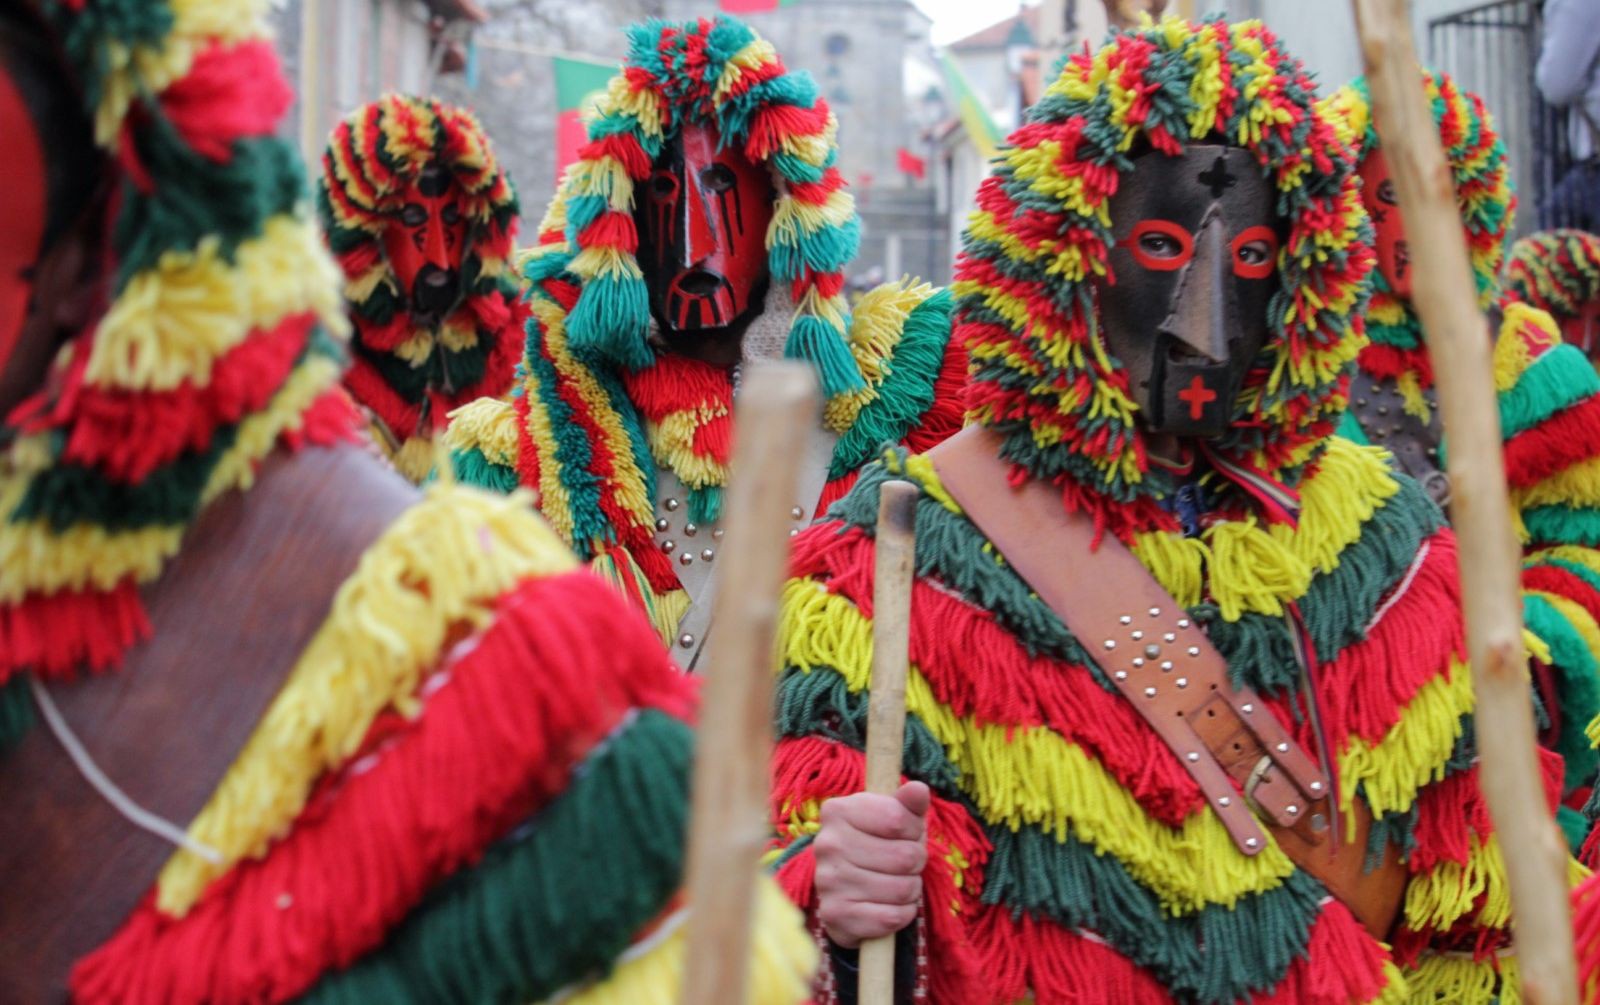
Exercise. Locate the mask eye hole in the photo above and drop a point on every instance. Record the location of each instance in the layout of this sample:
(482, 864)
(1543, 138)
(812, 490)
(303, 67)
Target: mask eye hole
(1255, 253)
(717, 178)
(1160, 245)
(663, 186)
(1386, 193)
(451, 214)
(413, 214)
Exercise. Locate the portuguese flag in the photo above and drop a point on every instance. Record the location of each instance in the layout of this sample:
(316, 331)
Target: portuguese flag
(578, 83)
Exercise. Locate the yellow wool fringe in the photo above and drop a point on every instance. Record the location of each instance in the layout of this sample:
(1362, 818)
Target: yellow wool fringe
(672, 445)
(258, 434)
(1577, 485)
(783, 960)
(1414, 751)
(437, 570)
(877, 324)
(173, 322)
(1031, 776)
(664, 610)
(487, 424)
(415, 459)
(1460, 980)
(1445, 894)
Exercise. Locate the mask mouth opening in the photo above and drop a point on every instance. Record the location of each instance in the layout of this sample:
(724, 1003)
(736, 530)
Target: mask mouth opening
(1183, 354)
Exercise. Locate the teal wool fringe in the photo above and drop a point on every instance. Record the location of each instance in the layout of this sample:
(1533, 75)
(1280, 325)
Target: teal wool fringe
(818, 343)
(610, 322)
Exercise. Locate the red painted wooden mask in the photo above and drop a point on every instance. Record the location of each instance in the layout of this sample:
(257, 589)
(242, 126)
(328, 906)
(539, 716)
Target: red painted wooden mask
(24, 207)
(702, 217)
(425, 242)
(1394, 254)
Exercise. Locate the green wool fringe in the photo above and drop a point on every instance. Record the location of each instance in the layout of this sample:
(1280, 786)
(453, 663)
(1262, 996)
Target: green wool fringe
(1563, 524)
(556, 902)
(816, 342)
(1579, 684)
(16, 712)
(472, 468)
(1216, 955)
(1558, 379)
(1573, 827)
(907, 390)
(609, 323)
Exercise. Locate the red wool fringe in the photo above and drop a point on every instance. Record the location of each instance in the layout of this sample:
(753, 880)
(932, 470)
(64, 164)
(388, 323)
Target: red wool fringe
(1562, 583)
(1562, 440)
(1342, 964)
(129, 434)
(1389, 361)
(230, 93)
(1059, 967)
(332, 418)
(495, 742)
(1586, 933)
(58, 634)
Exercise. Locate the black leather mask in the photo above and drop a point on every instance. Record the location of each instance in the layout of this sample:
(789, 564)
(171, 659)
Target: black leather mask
(1193, 266)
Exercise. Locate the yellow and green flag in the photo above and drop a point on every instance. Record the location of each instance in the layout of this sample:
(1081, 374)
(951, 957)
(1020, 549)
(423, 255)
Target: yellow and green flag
(975, 118)
(578, 83)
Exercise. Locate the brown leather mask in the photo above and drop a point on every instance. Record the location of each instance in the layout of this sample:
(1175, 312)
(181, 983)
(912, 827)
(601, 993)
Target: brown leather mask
(1193, 266)
(702, 219)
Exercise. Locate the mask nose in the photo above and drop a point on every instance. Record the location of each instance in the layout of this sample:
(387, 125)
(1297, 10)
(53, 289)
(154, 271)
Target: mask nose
(1199, 313)
(699, 242)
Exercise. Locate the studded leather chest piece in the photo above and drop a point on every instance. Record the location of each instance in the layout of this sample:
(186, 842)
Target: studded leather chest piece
(1380, 408)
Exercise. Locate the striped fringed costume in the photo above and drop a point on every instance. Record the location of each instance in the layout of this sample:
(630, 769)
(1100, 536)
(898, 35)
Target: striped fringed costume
(472, 784)
(1549, 398)
(1554, 270)
(597, 414)
(409, 376)
(1072, 858)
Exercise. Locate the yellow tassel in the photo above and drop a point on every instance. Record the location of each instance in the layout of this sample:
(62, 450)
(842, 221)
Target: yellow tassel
(1252, 571)
(1577, 485)
(1445, 894)
(1460, 980)
(1351, 483)
(416, 458)
(437, 570)
(783, 960)
(488, 425)
(672, 444)
(1178, 563)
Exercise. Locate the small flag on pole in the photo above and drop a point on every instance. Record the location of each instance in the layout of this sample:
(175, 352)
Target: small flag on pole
(578, 83)
(911, 164)
(975, 118)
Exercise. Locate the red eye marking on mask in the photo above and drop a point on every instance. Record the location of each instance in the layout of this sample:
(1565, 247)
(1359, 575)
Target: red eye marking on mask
(1160, 262)
(1254, 270)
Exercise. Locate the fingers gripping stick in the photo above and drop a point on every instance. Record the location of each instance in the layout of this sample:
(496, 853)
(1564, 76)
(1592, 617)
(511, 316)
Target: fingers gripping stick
(886, 714)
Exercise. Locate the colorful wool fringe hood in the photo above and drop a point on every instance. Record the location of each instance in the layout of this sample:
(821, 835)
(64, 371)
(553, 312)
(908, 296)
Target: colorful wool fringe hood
(1071, 855)
(410, 375)
(1549, 400)
(1482, 177)
(1557, 271)
(597, 413)
(477, 722)
(720, 72)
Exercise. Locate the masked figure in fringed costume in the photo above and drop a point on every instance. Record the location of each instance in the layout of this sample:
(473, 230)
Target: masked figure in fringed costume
(1558, 271)
(1549, 398)
(1161, 613)
(422, 220)
(704, 225)
(414, 751)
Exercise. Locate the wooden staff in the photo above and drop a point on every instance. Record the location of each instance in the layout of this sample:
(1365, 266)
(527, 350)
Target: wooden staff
(777, 411)
(1459, 345)
(895, 550)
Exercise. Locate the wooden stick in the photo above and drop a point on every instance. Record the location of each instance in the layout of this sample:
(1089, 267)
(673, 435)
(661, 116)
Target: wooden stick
(777, 410)
(895, 550)
(1459, 345)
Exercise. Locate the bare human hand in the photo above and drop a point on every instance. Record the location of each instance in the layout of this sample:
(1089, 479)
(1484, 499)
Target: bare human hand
(870, 852)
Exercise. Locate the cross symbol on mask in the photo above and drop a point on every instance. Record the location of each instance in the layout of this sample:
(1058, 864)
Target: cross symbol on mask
(1218, 178)
(1197, 396)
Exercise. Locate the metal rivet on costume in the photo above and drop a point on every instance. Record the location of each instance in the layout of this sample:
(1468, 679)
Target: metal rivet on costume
(1247, 708)
(686, 641)
(662, 524)
(1250, 842)
(1316, 786)
(1166, 664)
(1136, 636)
(1152, 650)
(1110, 644)
(1291, 809)
(1183, 622)
(797, 513)
(1182, 682)
(686, 559)
(1194, 650)
(1319, 822)
(668, 546)
(1138, 661)
(1149, 692)
(1169, 637)
(707, 555)
(1155, 612)
(1361, 403)
(1192, 756)
(717, 534)
(1126, 619)
(1383, 409)
(1122, 675)
(1225, 802)
(690, 530)
(794, 531)
(671, 505)
(1283, 748)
